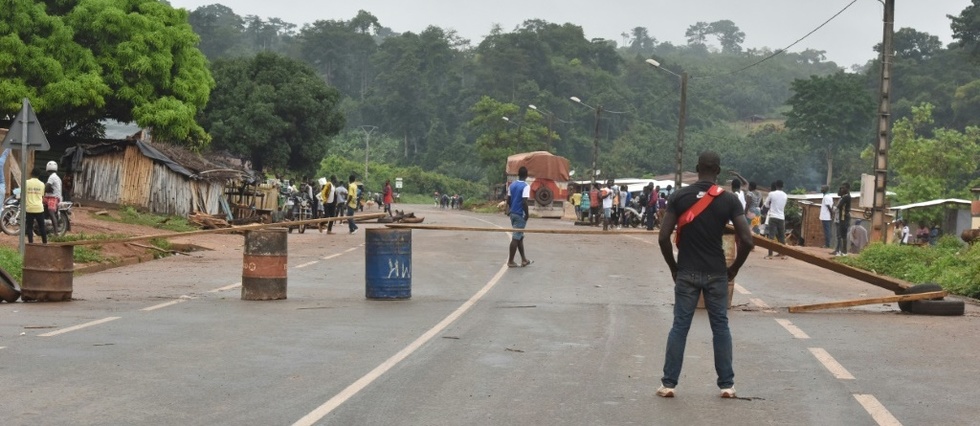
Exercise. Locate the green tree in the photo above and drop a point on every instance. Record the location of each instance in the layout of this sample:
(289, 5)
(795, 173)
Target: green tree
(84, 61)
(505, 130)
(834, 114)
(697, 34)
(729, 35)
(944, 165)
(221, 30)
(274, 111)
(966, 28)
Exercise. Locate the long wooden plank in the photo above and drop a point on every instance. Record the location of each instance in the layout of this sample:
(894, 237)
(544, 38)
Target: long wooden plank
(885, 282)
(233, 229)
(870, 301)
(570, 231)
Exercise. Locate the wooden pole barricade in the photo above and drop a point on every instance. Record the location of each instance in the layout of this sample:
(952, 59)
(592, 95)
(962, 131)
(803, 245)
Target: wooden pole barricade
(230, 230)
(870, 301)
(526, 231)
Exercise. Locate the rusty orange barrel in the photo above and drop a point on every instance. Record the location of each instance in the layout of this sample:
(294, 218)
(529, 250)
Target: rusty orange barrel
(388, 264)
(48, 273)
(264, 265)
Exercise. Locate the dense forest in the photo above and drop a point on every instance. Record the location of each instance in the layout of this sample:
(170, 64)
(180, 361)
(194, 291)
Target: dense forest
(440, 102)
(321, 98)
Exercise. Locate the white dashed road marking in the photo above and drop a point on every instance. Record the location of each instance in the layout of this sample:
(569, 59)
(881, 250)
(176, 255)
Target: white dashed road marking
(225, 288)
(877, 411)
(165, 304)
(792, 329)
(831, 364)
(78, 327)
(741, 290)
(759, 303)
(307, 264)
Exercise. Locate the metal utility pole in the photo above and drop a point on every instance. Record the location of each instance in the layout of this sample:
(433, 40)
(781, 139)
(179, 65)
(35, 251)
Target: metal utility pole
(681, 124)
(595, 143)
(879, 227)
(367, 147)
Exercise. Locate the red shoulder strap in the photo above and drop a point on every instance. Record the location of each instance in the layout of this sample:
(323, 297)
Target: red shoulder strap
(695, 210)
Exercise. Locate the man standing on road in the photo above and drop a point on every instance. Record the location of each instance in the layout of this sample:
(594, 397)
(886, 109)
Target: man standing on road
(34, 206)
(826, 214)
(352, 202)
(776, 202)
(701, 212)
(517, 195)
(329, 196)
(843, 218)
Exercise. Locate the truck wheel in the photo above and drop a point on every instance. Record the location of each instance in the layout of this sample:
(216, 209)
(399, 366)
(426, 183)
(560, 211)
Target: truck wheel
(916, 289)
(544, 196)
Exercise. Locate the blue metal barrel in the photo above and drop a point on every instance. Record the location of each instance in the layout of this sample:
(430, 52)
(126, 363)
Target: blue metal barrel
(388, 263)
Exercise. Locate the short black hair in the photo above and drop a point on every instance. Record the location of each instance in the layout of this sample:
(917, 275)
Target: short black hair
(779, 184)
(736, 184)
(522, 173)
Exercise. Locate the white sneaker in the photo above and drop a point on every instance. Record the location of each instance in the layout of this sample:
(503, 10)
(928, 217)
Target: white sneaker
(665, 392)
(728, 393)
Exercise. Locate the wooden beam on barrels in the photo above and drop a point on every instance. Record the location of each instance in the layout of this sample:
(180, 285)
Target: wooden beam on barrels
(526, 231)
(233, 229)
(871, 301)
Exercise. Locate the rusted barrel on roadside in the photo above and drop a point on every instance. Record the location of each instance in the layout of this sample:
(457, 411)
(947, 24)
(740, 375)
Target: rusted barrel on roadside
(47, 273)
(264, 265)
(388, 264)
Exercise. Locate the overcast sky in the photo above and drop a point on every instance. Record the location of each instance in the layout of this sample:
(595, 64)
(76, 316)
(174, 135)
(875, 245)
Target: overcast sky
(848, 39)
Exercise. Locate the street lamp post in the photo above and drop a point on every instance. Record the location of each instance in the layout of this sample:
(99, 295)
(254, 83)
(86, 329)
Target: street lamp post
(551, 118)
(595, 140)
(681, 120)
(367, 129)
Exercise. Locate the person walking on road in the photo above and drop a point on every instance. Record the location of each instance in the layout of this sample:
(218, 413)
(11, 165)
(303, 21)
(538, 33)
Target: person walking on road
(701, 212)
(388, 197)
(776, 202)
(517, 195)
(329, 196)
(352, 203)
(34, 207)
(843, 218)
(826, 214)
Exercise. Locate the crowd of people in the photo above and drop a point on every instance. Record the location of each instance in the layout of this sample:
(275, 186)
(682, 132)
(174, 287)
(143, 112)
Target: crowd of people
(333, 198)
(614, 206)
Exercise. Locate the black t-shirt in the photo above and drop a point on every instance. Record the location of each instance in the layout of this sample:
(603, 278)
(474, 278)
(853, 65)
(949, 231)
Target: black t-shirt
(844, 208)
(699, 248)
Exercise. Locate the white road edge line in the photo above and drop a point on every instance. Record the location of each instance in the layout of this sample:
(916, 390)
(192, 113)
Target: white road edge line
(225, 288)
(307, 264)
(351, 390)
(321, 411)
(878, 412)
(792, 329)
(78, 327)
(351, 249)
(831, 364)
(741, 290)
(331, 256)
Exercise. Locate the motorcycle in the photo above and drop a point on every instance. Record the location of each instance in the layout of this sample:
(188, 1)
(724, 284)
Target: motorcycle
(10, 217)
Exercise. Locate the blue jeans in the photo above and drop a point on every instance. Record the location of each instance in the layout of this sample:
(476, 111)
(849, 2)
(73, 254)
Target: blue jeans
(826, 233)
(688, 287)
(351, 226)
(517, 221)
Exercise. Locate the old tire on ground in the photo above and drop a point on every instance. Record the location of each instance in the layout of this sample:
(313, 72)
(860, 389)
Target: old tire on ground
(937, 307)
(544, 196)
(916, 289)
(8, 287)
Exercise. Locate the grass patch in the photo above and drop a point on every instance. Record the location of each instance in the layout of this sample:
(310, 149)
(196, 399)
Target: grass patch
(89, 254)
(12, 262)
(81, 236)
(950, 263)
(132, 216)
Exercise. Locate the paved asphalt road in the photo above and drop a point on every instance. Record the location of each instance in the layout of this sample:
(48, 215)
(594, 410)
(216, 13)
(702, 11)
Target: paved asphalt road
(577, 338)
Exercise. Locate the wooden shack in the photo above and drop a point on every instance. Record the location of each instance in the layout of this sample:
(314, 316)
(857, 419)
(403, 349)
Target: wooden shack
(159, 178)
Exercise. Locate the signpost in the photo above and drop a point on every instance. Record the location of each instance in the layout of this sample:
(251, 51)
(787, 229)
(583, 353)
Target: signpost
(31, 138)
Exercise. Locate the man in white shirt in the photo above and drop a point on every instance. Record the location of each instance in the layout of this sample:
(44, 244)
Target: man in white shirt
(606, 194)
(826, 214)
(776, 202)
